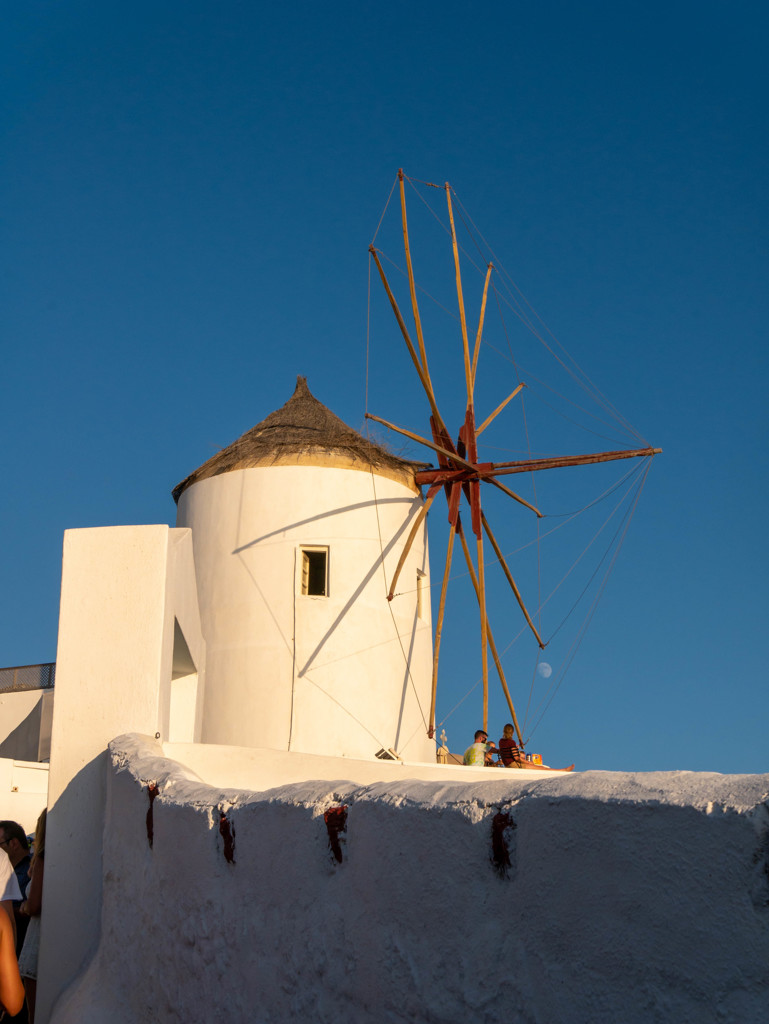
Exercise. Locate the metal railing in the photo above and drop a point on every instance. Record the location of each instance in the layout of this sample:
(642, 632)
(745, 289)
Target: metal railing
(28, 677)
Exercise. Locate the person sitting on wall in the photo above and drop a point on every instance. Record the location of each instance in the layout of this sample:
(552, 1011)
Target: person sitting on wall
(512, 756)
(509, 751)
(13, 840)
(481, 752)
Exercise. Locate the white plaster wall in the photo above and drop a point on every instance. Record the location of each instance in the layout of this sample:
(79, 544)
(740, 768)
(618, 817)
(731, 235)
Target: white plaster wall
(629, 898)
(181, 600)
(23, 791)
(25, 724)
(15, 707)
(122, 589)
(344, 674)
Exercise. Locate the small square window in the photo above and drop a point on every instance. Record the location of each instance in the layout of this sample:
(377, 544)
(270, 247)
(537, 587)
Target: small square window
(315, 572)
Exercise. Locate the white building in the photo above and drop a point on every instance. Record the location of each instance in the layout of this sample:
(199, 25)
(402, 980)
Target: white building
(253, 659)
(296, 530)
(260, 621)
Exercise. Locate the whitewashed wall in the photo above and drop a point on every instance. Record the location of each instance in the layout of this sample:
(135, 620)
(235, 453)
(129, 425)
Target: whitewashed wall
(629, 898)
(127, 594)
(23, 791)
(25, 724)
(344, 674)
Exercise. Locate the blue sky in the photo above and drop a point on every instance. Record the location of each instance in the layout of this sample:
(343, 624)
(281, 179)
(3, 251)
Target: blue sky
(188, 194)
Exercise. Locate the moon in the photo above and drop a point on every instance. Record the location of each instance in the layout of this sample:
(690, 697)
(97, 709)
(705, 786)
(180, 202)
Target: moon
(544, 669)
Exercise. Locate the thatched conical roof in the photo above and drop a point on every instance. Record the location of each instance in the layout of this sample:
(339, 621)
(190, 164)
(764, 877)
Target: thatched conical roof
(302, 432)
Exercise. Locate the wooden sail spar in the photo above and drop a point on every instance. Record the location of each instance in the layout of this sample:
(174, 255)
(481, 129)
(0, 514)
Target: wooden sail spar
(459, 471)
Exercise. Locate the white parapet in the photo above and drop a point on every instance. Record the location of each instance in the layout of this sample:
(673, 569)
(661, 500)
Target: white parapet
(599, 897)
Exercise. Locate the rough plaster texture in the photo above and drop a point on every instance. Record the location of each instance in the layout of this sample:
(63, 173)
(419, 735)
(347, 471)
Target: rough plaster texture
(628, 898)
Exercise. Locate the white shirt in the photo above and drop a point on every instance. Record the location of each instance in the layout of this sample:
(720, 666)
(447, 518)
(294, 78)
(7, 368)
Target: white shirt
(9, 886)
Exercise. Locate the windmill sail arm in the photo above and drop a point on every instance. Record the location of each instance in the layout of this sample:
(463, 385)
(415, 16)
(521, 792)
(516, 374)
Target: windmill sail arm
(421, 369)
(563, 461)
(511, 581)
(423, 440)
(513, 495)
(491, 469)
(492, 645)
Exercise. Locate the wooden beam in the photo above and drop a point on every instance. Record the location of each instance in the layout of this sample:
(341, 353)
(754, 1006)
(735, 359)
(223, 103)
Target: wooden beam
(449, 476)
(480, 323)
(489, 470)
(510, 580)
(441, 438)
(492, 645)
(565, 461)
(460, 299)
(472, 488)
(499, 409)
(412, 286)
(512, 494)
(484, 638)
(412, 534)
(439, 625)
(483, 474)
(423, 377)
(422, 440)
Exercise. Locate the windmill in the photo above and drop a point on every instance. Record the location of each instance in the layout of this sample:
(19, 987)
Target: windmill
(459, 473)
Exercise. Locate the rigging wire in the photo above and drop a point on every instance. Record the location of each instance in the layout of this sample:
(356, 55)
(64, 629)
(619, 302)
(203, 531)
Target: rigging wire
(584, 552)
(513, 299)
(594, 394)
(534, 488)
(552, 593)
(511, 296)
(578, 372)
(591, 391)
(571, 654)
(567, 518)
(579, 635)
(531, 376)
(459, 703)
(406, 660)
(306, 677)
(509, 300)
(368, 342)
(419, 288)
(384, 211)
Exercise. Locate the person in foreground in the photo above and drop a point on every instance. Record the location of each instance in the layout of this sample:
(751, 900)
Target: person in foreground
(9, 888)
(13, 840)
(11, 988)
(32, 906)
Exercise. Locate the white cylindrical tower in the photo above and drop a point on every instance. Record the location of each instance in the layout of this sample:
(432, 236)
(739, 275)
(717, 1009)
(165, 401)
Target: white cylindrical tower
(297, 528)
